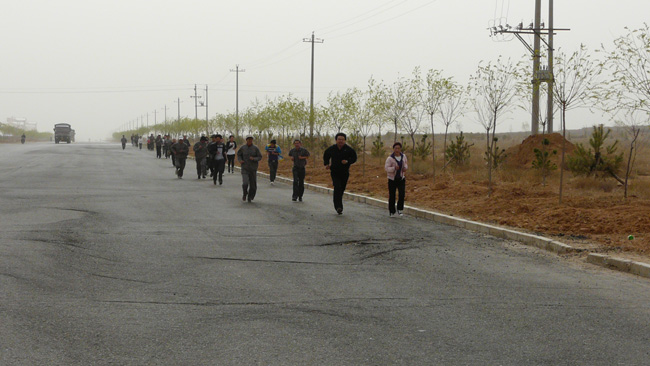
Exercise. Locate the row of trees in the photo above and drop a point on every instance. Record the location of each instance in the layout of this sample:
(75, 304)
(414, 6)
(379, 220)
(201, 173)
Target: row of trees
(616, 82)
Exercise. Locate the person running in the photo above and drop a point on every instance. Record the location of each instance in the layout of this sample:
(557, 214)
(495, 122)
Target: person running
(249, 156)
(337, 159)
(273, 152)
(396, 165)
(200, 155)
(123, 140)
(231, 146)
(180, 150)
(171, 152)
(159, 143)
(217, 150)
(299, 157)
(167, 144)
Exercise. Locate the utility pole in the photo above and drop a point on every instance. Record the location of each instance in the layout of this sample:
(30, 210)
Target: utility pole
(312, 40)
(237, 71)
(155, 119)
(536, 56)
(179, 111)
(540, 74)
(166, 131)
(207, 119)
(549, 103)
(196, 101)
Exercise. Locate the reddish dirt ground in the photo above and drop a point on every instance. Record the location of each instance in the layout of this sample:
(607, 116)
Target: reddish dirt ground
(593, 213)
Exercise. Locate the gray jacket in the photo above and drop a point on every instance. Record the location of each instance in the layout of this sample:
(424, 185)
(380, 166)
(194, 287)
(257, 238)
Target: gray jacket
(245, 153)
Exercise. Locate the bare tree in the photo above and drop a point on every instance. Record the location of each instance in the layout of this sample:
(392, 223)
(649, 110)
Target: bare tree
(451, 108)
(575, 78)
(492, 89)
(634, 124)
(369, 107)
(434, 92)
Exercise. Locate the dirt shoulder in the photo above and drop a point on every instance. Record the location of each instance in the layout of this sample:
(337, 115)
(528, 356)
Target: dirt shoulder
(598, 221)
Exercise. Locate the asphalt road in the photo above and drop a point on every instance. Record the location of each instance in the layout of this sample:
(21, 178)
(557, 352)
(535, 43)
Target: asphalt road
(106, 258)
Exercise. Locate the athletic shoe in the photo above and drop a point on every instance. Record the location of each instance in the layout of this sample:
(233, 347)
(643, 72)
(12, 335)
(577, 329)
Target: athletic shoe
(300, 199)
(399, 212)
(220, 182)
(391, 215)
(272, 183)
(294, 199)
(339, 210)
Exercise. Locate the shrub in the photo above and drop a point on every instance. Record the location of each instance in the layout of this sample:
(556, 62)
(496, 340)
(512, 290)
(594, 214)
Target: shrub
(597, 160)
(378, 150)
(423, 148)
(497, 156)
(458, 151)
(543, 162)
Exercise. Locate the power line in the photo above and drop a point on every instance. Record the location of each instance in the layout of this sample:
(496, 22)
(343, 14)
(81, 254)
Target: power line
(365, 16)
(385, 21)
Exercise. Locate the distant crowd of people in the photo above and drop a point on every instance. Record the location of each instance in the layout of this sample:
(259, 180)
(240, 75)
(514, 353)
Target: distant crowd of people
(218, 155)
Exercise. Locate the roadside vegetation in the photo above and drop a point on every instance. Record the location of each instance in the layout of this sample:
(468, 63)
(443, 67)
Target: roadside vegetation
(589, 184)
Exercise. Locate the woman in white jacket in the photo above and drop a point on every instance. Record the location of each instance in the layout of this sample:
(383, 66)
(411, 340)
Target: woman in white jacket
(396, 165)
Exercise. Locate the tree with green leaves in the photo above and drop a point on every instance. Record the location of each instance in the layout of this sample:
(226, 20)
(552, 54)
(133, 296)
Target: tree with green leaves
(575, 81)
(399, 99)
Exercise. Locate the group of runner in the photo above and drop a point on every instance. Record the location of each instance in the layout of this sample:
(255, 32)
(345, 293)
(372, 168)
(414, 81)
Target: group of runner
(216, 155)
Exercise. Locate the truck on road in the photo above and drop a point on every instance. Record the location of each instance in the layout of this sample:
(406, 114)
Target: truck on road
(63, 132)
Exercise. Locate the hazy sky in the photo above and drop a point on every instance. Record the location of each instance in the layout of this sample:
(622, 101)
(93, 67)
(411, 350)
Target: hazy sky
(100, 64)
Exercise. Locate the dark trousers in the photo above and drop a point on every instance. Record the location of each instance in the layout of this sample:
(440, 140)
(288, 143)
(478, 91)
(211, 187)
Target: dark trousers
(219, 166)
(231, 163)
(158, 151)
(273, 169)
(123, 145)
(339, 181)
(200, 167)
(298, 181)
(173, 159)
(180, 166)
(396, 185)
(249, 183)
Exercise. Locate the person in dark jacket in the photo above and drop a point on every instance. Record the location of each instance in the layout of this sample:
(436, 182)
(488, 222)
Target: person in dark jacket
(337, 159)
(273, 152)
(248, 156)
(299, 157)
(123, 142)
(180, 150)
(200, 155)
(159, 143)
(217, 153)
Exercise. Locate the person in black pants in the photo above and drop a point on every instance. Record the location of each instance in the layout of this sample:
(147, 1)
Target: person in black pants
(299, 157)
(396, 165)
(159, 143)
(231, 147)
(337, 159)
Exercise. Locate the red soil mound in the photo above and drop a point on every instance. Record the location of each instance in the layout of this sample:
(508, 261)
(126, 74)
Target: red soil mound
(522, 155)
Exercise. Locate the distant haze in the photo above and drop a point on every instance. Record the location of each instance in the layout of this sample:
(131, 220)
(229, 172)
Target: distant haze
(100, 64)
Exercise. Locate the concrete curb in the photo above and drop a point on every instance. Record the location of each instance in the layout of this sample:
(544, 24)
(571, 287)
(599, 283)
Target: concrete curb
(623, 265)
